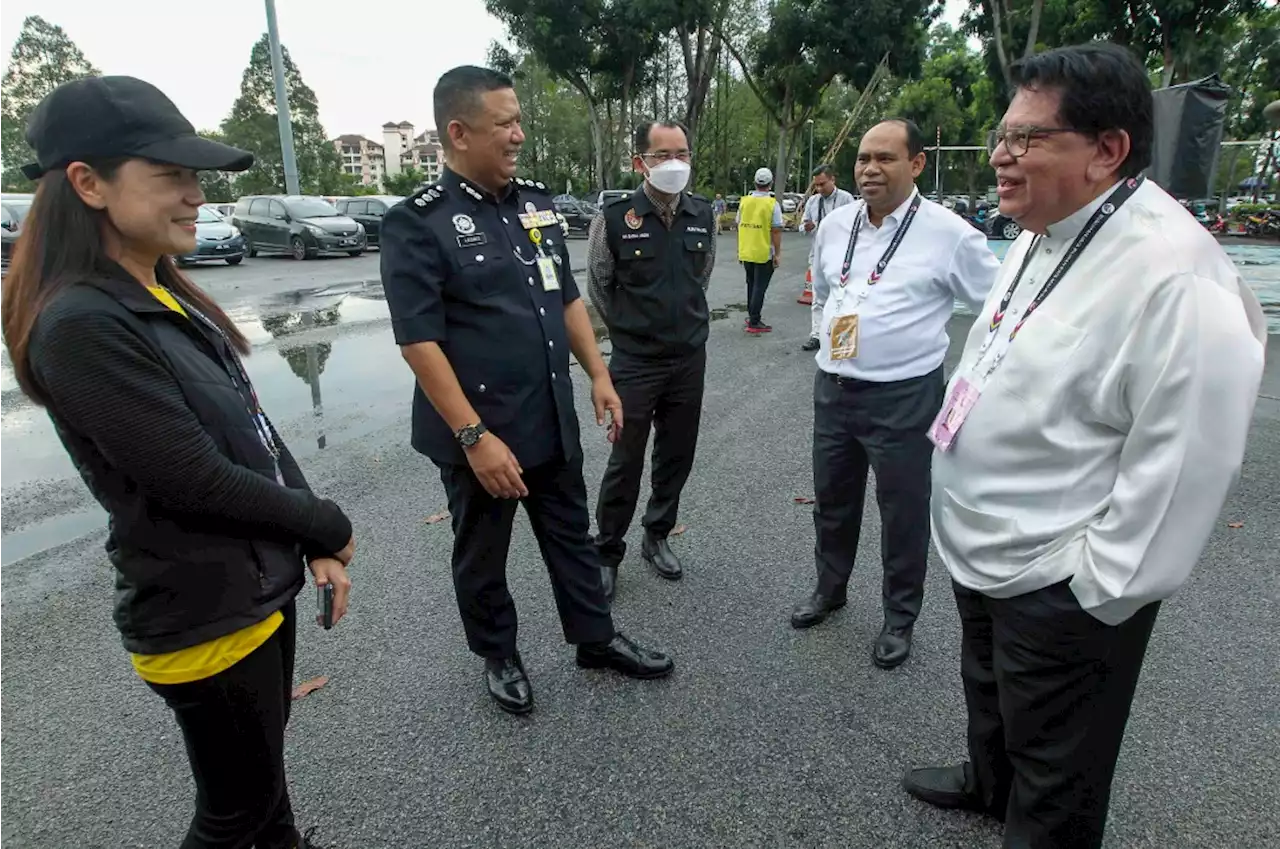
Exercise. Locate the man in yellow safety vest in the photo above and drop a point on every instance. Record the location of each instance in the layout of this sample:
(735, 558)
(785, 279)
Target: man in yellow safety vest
(759, 245)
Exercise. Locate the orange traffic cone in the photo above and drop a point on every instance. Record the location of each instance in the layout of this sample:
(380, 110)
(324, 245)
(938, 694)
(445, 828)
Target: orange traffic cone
(806, 297)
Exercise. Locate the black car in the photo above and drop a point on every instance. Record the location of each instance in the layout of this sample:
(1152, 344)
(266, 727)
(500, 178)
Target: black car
(368, 211)
(13, 208)
(577, 214)
(1002, 227)
(216, 240)
(303, 227)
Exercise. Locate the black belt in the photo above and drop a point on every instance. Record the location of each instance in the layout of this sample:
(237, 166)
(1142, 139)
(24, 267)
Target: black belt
(854, 382)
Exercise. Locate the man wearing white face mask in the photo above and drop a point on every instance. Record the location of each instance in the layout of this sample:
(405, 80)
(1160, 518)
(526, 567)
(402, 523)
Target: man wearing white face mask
(649, 259)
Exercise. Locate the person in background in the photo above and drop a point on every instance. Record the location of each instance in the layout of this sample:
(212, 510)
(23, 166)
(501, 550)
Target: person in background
(649, 260)
(1093, 429)
(826, 198)
(759, 245)
(486, 311)
(140, 371)
(718, 209)
(887, 272)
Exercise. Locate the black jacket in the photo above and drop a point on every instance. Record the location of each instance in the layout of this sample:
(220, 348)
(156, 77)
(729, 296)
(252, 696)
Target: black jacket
(659, 307)
(204, 539)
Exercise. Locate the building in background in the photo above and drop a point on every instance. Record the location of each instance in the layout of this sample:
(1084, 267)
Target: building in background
(402, 149)
(363, 159)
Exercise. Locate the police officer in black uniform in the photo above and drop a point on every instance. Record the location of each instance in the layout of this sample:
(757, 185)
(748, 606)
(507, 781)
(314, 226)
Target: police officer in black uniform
(649, 259)
(485, 311)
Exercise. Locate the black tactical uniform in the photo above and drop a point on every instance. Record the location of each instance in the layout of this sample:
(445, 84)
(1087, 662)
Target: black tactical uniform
(460, 268)
(654, 303)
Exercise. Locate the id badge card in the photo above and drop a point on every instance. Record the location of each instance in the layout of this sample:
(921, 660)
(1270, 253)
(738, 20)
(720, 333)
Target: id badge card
(844, 337)
(550, 280)
(951, 418)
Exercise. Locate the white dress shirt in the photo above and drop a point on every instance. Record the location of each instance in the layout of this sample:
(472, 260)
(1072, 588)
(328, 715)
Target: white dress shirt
(902, 320)
(818, 207)
(1103, 446)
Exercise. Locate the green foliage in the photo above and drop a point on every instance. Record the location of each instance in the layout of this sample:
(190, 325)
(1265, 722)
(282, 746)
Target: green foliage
(253, 125)
(42, 59)
(405, 183)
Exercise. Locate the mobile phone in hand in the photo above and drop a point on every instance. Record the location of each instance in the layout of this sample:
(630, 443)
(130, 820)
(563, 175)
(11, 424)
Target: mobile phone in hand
(324, 603)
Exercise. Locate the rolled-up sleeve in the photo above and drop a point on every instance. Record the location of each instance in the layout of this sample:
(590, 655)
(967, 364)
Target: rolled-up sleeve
(413, 272)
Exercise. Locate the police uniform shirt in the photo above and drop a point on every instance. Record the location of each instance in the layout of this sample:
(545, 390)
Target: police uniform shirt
(902, 320)
(460, 268)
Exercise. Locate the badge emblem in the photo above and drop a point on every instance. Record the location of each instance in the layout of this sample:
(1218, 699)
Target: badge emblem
(464, 225)
(530, 207)
(633, 221)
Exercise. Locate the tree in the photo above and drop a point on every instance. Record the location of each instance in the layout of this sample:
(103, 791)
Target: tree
(43, 58)
(809, 42)
(405, 183)
(253, 126)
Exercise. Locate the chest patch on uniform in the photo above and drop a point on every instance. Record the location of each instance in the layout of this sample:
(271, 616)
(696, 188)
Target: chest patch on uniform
(472, 240)
(626, 237)
(635, 222)
(702, 230)
(464, 225)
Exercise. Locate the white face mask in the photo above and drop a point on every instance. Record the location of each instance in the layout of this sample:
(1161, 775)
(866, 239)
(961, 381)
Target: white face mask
(670, 177)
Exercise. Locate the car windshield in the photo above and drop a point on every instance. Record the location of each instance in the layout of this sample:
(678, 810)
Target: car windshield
(311, 208)
(208, 216)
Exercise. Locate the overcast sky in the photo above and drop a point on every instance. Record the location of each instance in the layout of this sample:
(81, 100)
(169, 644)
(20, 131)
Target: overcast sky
(368, 64)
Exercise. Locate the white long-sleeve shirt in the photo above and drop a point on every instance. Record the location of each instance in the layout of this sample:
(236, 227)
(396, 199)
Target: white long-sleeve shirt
(902, 321)
(1104, 445)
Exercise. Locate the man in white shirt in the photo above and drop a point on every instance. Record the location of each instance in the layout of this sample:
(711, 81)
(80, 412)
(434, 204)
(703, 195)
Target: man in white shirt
(1082, 463)
(826, 198)
(886, 274)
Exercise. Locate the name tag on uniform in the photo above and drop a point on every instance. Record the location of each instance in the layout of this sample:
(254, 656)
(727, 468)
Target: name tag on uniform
(953, 413)
(547, 267)
(844, 337)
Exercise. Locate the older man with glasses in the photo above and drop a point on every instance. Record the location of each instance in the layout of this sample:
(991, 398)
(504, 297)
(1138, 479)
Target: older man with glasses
(649, 259)
(1091, 433)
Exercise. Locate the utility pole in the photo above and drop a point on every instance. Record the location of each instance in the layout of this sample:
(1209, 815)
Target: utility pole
(810, 148)
(282, 104)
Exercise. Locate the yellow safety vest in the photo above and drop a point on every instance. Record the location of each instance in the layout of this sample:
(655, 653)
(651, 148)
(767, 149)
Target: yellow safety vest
(755, 227)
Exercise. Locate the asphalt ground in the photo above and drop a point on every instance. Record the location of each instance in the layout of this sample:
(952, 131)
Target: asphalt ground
(763, 737)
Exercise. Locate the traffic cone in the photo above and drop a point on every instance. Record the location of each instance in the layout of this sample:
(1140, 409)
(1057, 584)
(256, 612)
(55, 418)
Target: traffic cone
(806, 297)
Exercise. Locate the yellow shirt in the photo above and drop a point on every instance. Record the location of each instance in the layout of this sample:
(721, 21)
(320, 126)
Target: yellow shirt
(209, 658)
(755, 226)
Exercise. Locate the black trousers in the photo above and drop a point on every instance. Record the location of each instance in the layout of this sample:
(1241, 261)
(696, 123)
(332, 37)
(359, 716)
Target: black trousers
(667, 395)
(233, 725)
(557, 509)
(1048, 689)
(758, 276)
(860, 425)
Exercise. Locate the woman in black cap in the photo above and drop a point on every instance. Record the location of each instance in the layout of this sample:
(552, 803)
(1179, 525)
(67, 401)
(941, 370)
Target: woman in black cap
(211, 518)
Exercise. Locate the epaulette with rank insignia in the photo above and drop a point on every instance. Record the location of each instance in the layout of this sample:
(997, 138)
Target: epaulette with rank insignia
(530, 184)
(697, 196)
(424, 199)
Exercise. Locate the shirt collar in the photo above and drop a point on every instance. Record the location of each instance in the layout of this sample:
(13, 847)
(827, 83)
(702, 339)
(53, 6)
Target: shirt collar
(658, 202)
(897, 215)
(1070, 227)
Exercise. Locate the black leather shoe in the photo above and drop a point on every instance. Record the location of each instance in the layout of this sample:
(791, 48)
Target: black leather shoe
(622, 655)
(815, 609)
(609, 580)
(811, 344)
(893, 646)
(508, 685)
(658, 554)
(947, 787)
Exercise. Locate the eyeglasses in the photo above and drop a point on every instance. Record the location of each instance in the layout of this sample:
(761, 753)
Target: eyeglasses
(1017, 140)
(668, 155)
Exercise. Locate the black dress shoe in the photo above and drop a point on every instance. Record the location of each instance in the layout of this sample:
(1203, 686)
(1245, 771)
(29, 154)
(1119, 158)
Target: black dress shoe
(811, 344)
(508, 685)
(622, 655)
(815, 609)
(893, 646)
(658, 554)
(609, 580)
(948, 787)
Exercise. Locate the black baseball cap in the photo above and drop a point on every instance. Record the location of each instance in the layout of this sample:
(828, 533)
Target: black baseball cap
(99, 117)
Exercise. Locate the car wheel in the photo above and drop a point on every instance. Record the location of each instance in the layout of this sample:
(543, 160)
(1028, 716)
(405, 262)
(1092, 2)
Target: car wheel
(249, 250)
(1010, 230)
(234, 260)
(298, 247)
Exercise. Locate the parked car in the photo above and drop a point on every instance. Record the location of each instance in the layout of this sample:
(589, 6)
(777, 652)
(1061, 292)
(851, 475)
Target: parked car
(577, 214)
(226, 210)
(368, 212)
(303, 227)
(609, 195)
(13, 208)
(1002, 227)
(216, 239)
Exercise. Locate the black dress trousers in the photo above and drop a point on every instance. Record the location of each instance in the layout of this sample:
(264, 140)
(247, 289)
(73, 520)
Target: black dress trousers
(1048, 688)
(860, 425)
(557, 509)
(665, 394)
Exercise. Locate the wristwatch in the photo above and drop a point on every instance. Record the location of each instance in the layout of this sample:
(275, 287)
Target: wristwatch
(469, 435)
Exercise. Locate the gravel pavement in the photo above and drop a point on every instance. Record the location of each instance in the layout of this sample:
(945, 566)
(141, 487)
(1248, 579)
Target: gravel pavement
(763, 737)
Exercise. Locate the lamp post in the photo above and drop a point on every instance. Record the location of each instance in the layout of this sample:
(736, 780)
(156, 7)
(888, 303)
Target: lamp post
(1271, 112)
(810, 122)
(282, 104)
